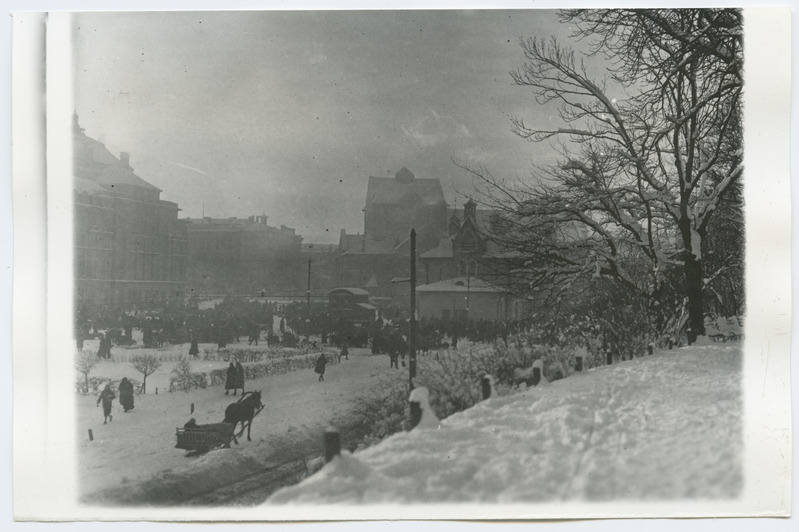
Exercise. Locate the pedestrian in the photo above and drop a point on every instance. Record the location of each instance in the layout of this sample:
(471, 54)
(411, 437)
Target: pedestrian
(345, 352)
(239, 377)
(194, 350)
(107, 398)
(79, 340)
(321, 362)
(230, 379)
(126, 394)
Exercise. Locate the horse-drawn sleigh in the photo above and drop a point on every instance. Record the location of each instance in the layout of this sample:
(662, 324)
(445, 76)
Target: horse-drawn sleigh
(203, 438)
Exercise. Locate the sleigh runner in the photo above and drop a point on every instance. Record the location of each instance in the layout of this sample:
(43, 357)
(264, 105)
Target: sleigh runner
(203, 438)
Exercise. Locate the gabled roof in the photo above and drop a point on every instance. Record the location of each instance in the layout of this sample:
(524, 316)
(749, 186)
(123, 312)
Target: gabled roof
(461, 284)
(389, 190)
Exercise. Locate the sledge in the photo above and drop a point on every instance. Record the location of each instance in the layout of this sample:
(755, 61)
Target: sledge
(204, 438)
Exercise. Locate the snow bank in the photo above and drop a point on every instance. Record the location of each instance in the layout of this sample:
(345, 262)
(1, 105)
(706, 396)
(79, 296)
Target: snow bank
(668, 426)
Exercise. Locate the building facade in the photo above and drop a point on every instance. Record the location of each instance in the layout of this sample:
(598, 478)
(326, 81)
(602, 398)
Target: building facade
(129, 246)
(243, 256)
(468, 299)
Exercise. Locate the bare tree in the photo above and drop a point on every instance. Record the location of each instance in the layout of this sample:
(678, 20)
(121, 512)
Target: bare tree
(647, 153)
(84, 364)
(146, 365)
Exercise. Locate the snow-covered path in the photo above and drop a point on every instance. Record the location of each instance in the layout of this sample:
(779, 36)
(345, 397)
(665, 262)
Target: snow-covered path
(133, 459)
(664, 427)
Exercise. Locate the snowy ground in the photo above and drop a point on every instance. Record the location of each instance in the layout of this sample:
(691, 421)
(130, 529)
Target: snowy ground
(664, 427)
(133, 459)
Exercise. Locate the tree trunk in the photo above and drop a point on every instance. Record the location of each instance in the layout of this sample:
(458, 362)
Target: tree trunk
(144, 384)
(693, 290)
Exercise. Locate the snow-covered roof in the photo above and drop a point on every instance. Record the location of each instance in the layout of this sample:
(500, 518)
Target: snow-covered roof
(461, 284)
(349, 290)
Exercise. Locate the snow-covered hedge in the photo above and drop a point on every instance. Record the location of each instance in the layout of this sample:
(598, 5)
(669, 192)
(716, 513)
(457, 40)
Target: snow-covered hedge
(96, 385)
(277, 366)
(254, 353)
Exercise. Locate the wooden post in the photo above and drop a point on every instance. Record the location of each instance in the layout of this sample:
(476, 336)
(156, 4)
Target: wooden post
(536, 376)
(485, 385)
(91, 436)
(332, 444)
(192, 408)
(578, 363)
(412, 328)
(609, 358)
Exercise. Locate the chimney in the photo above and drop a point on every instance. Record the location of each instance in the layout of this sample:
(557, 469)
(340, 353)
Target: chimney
(124, 158)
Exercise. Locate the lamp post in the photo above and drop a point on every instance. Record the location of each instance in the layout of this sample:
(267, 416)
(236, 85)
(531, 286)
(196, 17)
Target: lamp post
(412, 328)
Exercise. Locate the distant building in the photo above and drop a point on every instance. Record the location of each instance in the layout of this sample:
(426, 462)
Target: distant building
(129, 246)
(468, 298)
(243, 256)
(394, 205)
(469, 248)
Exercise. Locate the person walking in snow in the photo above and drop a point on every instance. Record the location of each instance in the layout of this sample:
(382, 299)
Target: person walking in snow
(321, 363)
(194, 350)
(126, 394)
(107, 398)
(230, 379)
(345, 352)
(239, 377)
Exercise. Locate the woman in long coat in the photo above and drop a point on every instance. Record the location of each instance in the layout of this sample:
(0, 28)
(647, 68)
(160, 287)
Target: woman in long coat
(230, 379)
(321, 362)
(194, 350)
(126, 394)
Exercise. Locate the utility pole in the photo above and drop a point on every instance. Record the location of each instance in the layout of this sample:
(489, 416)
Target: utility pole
(468, 286)
(308, 309)
(412, 331)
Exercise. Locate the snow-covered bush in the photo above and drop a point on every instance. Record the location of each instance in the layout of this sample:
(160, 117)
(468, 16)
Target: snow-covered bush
(277, 366)
(255, 353)
(182, 379)
(385, 414)
(85, 362)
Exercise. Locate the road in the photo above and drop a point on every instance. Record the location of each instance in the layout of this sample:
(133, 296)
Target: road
(133, 461)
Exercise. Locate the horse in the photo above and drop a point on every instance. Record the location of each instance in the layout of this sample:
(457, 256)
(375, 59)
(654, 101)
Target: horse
(243, 411)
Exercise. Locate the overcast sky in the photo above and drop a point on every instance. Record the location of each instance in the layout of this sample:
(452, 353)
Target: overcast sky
(289, 113)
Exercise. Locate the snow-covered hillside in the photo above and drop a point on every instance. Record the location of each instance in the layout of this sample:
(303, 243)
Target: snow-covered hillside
(663, 427)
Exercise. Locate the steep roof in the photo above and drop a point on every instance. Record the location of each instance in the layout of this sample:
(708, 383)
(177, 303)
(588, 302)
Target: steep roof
(83, 185)
(95, 162)
(442, 251)
(390, 190)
